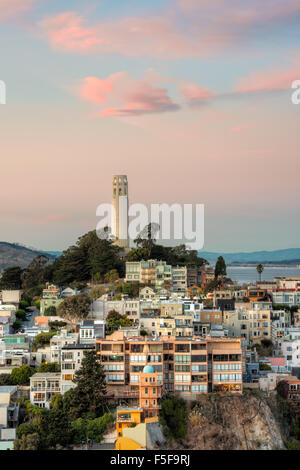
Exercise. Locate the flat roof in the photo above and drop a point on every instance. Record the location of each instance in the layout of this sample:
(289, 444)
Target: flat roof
(8, 388)
(129, 408)
(78, 346)
(45, 374)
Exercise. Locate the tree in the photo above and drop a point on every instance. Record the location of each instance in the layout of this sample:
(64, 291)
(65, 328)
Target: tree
(111, 275)
(21, 375)
(264, 366)
(75, 308)
(5, 379)
(220, 268)
(115, 320)
(11, 278)
(56, 324)
(87, 399)
(33, 275)
(16, 325)
(28, 442)
(259, 269)
(42, 339)
(293, 445)
(50, 311)
(143, 333)
(23, 304)
(49, 367)
(173, 417)
(96, 292)
(21, 314)
(146, 239)
(90, 429)
(90, 258)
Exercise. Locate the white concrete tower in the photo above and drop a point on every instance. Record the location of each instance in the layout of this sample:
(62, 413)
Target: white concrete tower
(120, 203)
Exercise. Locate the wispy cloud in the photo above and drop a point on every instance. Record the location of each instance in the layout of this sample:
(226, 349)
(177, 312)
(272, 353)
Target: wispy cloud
(121, 95)
(190, 28)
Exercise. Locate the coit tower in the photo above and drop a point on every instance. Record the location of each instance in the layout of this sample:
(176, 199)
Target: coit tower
(119, 228)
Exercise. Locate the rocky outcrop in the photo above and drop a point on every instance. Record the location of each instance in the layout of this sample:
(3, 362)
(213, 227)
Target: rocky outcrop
(232, 422)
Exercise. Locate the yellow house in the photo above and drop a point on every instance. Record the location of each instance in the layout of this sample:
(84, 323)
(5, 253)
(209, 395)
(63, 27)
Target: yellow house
(128, 418)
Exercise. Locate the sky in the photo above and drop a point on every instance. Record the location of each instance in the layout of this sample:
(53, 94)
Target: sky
(191, 99)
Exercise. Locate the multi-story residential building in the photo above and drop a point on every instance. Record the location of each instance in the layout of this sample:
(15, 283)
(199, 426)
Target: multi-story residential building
(290, 350)
(8, 311)
(49, 302)
(9, 413)
(58, 341)
(253, 325)
(147, 293)
(11, 297)
(194, 276)
(50, 291)
(89, 330)
(269, 286)
(143, 272)
(71, 357)
(256, 295)
(187, 366)
(287, 283)
(125, 306)
(290, 298)
(43, 386)
(163, 276)
(208, 275)
(290, 389)
(179, 279)
(280, 321)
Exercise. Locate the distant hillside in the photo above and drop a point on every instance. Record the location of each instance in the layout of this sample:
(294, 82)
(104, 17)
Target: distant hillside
(290, 256)
(13, 254)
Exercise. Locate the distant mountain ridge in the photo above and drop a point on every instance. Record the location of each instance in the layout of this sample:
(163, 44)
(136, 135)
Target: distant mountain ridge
(13, 254)
(288, 255)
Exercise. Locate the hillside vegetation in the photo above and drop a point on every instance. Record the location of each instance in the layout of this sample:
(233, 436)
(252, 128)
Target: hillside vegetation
(12, 254)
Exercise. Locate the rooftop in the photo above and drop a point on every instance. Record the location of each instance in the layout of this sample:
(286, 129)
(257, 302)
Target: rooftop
(46, 375)
(8, 388)
(78, 346)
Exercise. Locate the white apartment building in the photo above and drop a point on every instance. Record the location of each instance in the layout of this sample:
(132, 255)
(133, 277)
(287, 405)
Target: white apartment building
(43, 386)
(291, 351)
(129, 307)
(89, 330)
(292, 283)
(58, 341)
(71, 357)
(179, 278)
(289, 298)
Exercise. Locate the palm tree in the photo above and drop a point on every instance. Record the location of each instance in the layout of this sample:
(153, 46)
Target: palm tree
(259, 269)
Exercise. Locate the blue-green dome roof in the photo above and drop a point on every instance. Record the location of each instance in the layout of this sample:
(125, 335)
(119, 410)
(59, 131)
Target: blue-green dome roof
(148, 370)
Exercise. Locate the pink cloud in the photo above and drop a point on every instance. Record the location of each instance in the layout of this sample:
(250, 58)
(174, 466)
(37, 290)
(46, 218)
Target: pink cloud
(195, 92)
(11, 8)
(121, 95)
(270, 80)
(193, 28)
(130, 36)
(68, 31)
